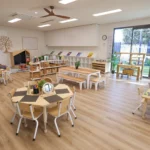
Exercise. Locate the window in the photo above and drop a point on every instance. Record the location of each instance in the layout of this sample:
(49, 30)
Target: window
(133, 40)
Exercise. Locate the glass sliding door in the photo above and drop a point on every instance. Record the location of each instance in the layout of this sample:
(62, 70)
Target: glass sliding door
(133, 40)
(122, 43)
(141, 44)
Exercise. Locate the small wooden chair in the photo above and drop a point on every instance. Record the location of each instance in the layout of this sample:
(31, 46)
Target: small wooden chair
(62, 108)
(48, 80)
(73, 108)
(2, 77)
(8, 73)
(97, 80)
(128, 71)
(140, 91)
(30, 84)
(11, 94)
(26, 111)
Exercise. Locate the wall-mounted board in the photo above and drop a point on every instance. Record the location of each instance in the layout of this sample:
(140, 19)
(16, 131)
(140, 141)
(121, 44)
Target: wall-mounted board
(30, 43)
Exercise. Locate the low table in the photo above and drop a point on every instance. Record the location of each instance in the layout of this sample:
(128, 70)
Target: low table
(41, 99)
(81, 71)
(138, 68)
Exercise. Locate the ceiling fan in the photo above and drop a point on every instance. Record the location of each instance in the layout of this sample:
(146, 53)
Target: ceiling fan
(47, 21)
(51, 13)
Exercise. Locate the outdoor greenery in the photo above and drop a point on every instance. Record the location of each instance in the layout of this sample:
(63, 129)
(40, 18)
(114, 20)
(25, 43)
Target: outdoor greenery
(145, 36)
(147, 62)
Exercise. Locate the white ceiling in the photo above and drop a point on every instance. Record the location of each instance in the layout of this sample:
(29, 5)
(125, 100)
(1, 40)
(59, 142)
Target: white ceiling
(81, 9)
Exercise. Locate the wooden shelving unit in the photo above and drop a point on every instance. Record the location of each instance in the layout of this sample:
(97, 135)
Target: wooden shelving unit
(85, 62)
(43, 68)
(104, 67)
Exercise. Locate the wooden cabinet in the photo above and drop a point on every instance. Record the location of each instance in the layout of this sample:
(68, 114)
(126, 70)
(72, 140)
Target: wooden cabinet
(104, 67)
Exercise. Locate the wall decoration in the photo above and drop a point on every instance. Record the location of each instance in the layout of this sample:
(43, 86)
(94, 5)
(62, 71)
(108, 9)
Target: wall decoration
(5, 43)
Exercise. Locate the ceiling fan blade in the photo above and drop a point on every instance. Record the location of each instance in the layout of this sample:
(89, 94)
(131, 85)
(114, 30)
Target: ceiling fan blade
(45, 16)
(47, 21)
(47, 10)
(64, 17)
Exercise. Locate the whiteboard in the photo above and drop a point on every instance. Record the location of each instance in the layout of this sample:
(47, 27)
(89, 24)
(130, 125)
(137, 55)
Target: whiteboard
(30, 43)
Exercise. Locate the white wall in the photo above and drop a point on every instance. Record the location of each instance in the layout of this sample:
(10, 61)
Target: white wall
(107, 29)
(77, 36)
(102, 51)
(83, 39)
(16, 35)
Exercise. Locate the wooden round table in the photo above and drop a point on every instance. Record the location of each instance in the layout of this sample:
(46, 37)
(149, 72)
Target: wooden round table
(41, 101)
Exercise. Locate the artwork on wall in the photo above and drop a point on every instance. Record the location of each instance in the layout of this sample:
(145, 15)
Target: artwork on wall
(5, 43)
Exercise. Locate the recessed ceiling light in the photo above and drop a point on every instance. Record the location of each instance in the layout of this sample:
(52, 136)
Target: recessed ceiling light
(14, 20)
(69, 20)
(36, 12)
(107, 12)
(44, 25)
(66, 1)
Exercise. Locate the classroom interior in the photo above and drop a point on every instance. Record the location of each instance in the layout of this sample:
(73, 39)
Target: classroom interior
(74, 75)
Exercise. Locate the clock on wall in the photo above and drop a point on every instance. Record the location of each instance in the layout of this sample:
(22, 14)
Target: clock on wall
(104, 37)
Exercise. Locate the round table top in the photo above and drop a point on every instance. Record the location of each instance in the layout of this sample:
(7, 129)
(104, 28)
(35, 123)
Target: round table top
(41, 101)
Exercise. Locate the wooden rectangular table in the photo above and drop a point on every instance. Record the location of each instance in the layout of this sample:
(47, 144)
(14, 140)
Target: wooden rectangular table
(138, 68)
(81, 71)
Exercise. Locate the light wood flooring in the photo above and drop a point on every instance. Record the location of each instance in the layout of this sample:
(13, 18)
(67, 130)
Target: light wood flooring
(104, 122)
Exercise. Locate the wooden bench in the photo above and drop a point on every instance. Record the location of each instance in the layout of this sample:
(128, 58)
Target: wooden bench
(81, 81)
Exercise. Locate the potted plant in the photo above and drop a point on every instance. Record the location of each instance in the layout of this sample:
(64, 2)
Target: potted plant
(114, 61)
(40, 84)
(77, 64)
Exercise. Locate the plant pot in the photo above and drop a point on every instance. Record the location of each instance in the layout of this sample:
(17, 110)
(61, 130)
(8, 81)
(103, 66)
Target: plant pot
(113, 71)
(77, 67)
(35, 91)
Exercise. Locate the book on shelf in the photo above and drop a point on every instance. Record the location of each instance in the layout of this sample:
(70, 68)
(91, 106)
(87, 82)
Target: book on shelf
(79, 54)
(59, 53)
(90, 54)
(68, 54)
(51, 53)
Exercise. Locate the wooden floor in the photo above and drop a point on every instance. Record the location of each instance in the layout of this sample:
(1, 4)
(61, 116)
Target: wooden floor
(105, 121)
